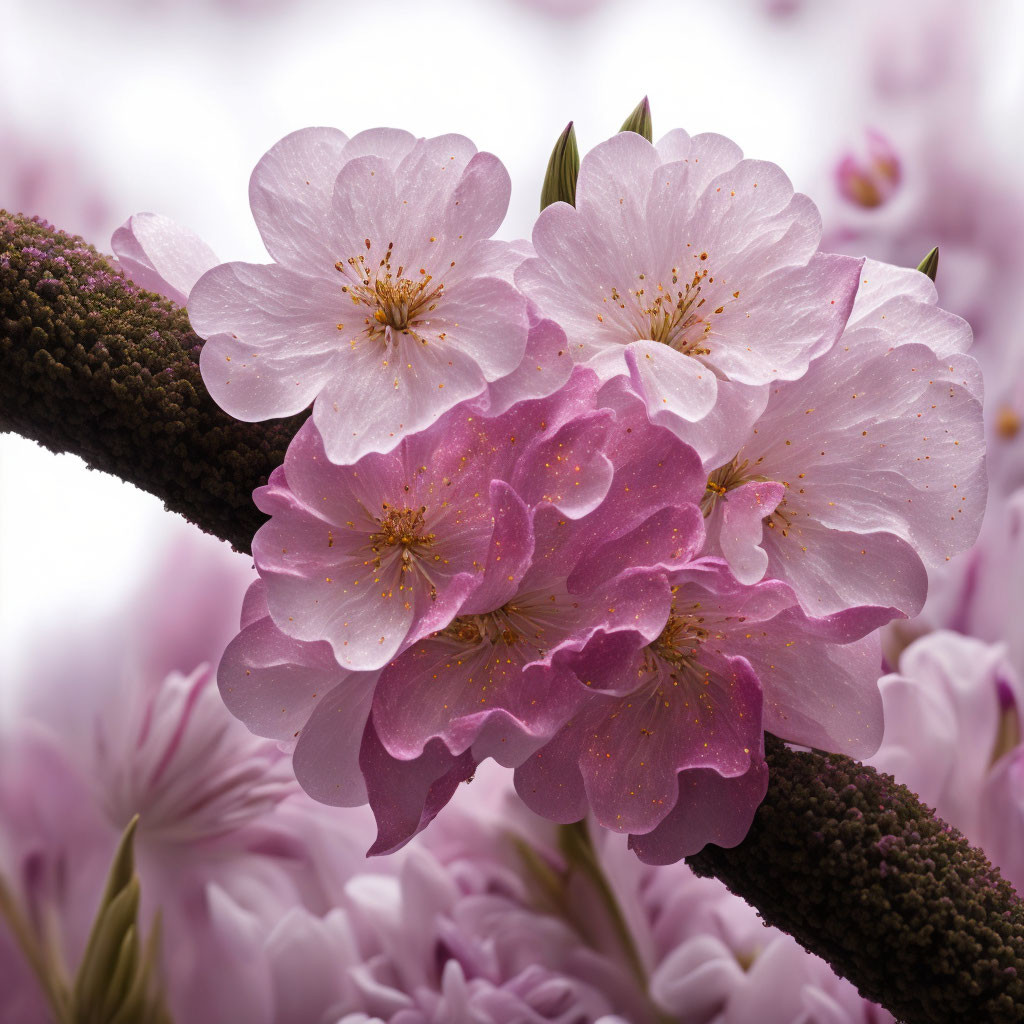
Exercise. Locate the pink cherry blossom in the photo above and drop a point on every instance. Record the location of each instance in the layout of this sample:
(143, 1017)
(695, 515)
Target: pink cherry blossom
(868, 469)
(671, 750)
(374, 556)
(696, 268)
(489, 676)
(388, 303)
(871, 178)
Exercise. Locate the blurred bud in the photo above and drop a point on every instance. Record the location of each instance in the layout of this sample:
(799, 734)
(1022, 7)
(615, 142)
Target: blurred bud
(873, 178)
(117, 978)
(639, 121)
(930, 264)
(563, 169)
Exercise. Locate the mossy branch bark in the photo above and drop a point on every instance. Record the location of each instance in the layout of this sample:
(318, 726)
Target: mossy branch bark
(860, 872)
(842, 857)
(93, 365)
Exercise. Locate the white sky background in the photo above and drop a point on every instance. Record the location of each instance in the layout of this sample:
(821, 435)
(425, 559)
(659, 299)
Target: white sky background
(172, 103)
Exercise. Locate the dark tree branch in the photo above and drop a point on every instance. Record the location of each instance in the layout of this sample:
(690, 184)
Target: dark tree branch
(93, 365)
(843, 858)
(860, 872)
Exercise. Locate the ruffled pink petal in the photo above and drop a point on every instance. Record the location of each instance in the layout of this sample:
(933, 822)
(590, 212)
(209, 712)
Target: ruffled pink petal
(544, 368)
(632, 750)
(708, 155)
(561, 281)
(326, 756)
(271, 338)
(614, 180)
(254, 604)
(846, 715)
(290, 193)
(567, 467)
(511, 550)
(711, 808)
(743, 512)
(550, 783)
(720, 434)
(391, 145)
(784, 319)
(486, 319)
(481, 199)
(405, 796)
(380, 395)
(273, 682)
(161, 256)
(834, 569)
(671, 382)
(669, 539)
(448, 688)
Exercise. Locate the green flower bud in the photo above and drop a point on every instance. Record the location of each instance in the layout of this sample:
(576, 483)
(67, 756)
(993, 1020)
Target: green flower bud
(563, 169)
(639, 121)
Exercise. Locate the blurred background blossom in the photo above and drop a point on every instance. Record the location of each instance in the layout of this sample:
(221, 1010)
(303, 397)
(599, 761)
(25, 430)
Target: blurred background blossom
(902, 123)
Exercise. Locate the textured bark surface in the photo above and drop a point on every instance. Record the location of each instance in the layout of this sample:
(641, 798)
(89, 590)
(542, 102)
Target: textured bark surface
(862, 873)
(93, 365)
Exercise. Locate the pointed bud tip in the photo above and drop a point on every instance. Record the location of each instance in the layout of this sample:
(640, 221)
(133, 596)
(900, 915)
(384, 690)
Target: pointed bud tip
(639, 120)
(930, 264)
(563, 168)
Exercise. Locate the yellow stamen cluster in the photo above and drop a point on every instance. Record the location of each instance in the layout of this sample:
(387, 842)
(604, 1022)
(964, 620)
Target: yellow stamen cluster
(401, 528)
(397, 303)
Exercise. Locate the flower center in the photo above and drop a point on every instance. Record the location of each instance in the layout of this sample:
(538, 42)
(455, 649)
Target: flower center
(675, 314)
(679, 642)
(395, 302)
(724, 479)
(532, 622)
(403, 529)
(492, 628)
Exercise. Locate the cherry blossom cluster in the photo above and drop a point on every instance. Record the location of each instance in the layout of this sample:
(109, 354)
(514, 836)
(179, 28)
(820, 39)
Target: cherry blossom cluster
(604, 507)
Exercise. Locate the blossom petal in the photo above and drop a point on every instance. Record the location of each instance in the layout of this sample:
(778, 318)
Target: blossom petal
(290, 193)
(271, 336)
(743, 512)
(161, 256)
(326, 756)
(406, 795)
(711, 808)
(273, 682)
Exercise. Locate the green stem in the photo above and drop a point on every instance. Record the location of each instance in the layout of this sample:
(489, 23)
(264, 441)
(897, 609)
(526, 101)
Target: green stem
(45, 967)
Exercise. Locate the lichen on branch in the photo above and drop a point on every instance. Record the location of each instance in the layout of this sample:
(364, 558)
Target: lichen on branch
(860, 872)
(92, 364)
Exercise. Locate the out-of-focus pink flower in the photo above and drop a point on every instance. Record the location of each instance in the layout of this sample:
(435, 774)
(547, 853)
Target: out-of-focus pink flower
(222, 823)
(867, 469)
(51, 180)
(951, 713)
(982, 592)
(388, 302)
(671, 750)
(871, 178)
(697, 271)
